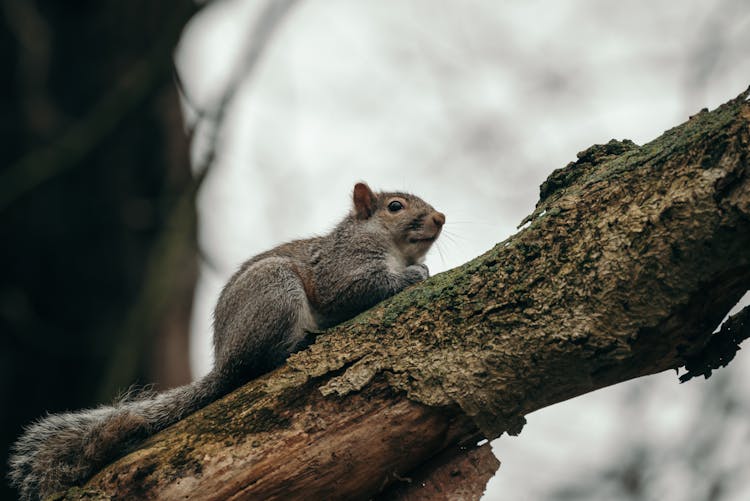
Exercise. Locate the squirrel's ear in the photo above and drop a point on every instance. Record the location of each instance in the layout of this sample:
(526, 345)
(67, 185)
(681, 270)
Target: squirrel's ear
(363, 201)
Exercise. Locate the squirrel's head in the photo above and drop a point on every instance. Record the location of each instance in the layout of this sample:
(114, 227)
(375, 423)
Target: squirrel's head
(412, 223)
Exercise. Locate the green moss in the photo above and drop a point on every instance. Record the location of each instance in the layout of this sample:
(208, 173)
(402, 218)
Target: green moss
(588, 161)
(603, 175)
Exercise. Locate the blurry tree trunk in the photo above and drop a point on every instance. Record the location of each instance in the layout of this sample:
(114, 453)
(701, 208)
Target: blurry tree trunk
(96, 211)
(631, 258)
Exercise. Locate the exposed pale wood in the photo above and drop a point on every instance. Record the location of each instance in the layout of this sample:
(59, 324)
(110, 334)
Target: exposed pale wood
(457, 474)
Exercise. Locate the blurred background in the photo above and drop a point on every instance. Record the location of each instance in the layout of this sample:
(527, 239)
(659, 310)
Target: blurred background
(151, 147)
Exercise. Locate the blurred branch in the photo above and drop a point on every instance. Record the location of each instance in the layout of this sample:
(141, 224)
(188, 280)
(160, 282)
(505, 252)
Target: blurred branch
(34, 38)
(266, 24)
(65, 153)
(167, 260)
(261, 34)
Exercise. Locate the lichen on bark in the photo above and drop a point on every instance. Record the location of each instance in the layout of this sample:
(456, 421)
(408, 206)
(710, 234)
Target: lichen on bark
(628, 263)
(615, 251)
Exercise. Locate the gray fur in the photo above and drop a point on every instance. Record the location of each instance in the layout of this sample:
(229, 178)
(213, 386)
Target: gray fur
(263, 314)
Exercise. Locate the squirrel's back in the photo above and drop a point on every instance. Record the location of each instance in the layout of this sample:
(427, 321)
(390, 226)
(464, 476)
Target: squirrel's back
(265, 312)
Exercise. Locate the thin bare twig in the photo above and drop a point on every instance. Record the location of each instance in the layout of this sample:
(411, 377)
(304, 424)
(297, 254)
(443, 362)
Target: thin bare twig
(266, 25)
(161, 268)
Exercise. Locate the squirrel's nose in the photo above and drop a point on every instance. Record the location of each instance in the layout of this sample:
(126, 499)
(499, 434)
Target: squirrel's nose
(439, 219)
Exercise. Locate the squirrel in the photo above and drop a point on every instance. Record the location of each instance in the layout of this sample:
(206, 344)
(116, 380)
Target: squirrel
(266, 311)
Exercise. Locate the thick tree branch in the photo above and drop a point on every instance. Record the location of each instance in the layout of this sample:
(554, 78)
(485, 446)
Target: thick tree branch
(458, 473)
(631, 258)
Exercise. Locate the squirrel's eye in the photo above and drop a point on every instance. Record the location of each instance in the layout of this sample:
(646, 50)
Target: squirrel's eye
(395, 206)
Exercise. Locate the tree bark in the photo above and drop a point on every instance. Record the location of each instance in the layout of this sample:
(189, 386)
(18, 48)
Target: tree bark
(458, 473)
(630, 260)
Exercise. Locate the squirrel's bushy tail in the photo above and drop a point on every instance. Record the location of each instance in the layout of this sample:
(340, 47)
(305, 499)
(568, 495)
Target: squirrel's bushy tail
(62, 450)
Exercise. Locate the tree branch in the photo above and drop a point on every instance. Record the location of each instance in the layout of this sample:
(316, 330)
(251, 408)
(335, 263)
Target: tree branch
(36, 167)
(631, 258)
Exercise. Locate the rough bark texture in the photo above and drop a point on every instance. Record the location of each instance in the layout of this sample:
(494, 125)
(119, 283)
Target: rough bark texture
(458, 473)
(630, 260)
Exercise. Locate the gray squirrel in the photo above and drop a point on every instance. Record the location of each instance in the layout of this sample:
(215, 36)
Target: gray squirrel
(265, 312)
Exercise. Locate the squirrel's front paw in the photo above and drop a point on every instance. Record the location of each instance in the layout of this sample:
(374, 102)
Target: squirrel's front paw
(417, 272)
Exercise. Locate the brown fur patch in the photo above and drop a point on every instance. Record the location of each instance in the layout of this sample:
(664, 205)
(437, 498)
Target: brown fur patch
(102, 442)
